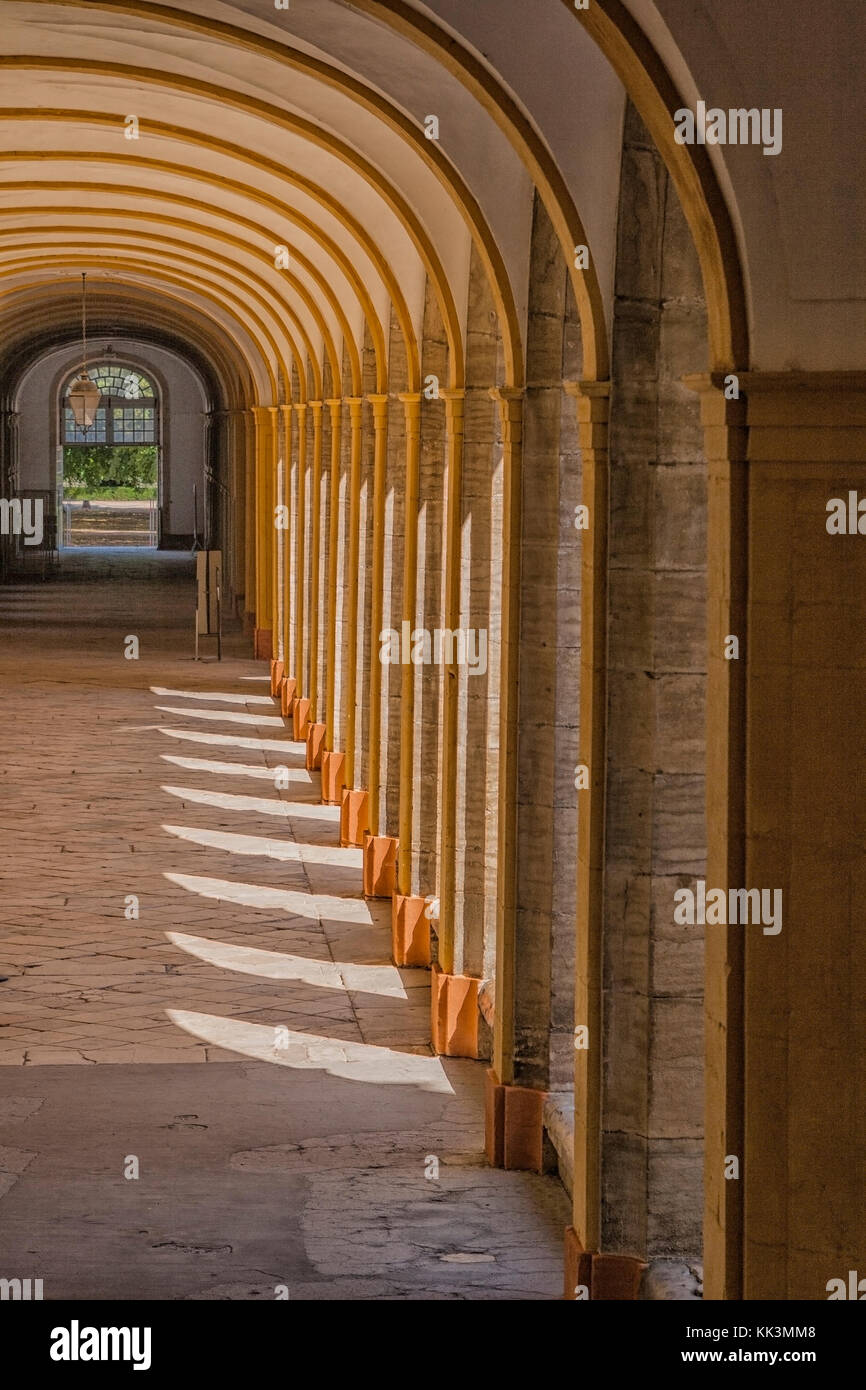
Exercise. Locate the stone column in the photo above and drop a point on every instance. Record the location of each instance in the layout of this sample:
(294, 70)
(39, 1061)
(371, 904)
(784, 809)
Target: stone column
(410, 931)
(265, 478)
(350, 590)
(251, 518)
(454, 997)
(377, 571)
(584, 1236)
(315, 560)
(335, 410)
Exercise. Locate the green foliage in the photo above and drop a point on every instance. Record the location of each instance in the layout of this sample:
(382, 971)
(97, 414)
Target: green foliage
(102, 470)
(109, 494)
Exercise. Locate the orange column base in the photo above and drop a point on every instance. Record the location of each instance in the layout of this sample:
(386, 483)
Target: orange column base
(263, 644)
(315, 746)
(288, 687)
(333, 764)
(513, 1125)
(410, 931)
(454, 1014)
(278, 670)
(354, 819)
(380, 866)
(602, 1278)
(300, 719)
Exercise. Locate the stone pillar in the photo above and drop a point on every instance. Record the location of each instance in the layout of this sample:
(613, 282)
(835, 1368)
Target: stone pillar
(410, 930)
(350, 590)
(265, 480)
(335, 410)
(725, 437)
(431, 526)
(251, 518)
(454, 997)
(377, 576)
(592, 412)
(298, 563)
(454, 421)
(9, 481)
(412, 406)
(315, 560)
(281, 553)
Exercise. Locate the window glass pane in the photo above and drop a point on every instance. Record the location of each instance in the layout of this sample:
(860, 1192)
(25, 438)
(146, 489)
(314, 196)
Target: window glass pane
(74, 434)
(134, 425)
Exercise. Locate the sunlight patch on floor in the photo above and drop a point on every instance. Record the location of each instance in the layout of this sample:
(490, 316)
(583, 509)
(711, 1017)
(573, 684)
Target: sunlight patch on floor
(352, 1061)
(382, 980)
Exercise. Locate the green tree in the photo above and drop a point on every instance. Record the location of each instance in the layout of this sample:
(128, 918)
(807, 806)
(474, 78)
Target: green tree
(92, 468)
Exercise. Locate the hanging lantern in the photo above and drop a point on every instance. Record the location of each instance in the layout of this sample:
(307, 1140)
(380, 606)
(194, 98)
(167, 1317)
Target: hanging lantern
(83, 400)
(84, 395)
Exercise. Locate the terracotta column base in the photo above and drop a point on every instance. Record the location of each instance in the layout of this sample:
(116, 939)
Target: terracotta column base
(288, 686)
(263, 644)
(380, 866)
(354, 819)
(278, 670)
(300, 719)
(603, 1278)
(315, 746)
(454, 1014)
(333, 764)
(410, 931)
(513, 1125)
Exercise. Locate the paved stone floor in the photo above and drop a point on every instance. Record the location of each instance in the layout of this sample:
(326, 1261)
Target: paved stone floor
(168, 902)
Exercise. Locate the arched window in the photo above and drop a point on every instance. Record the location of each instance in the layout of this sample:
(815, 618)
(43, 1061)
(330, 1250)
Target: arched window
(128, 412)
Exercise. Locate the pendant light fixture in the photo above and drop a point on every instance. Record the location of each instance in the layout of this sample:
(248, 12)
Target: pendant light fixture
(84, 395)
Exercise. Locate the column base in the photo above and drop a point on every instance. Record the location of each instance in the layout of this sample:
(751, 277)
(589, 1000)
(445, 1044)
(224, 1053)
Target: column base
(278, 670)
(380, 866)
(333, 782)
(263, 644)
(315, 746)
(410, 932)
(300, 719)
(288, 687)
(514, 1125)
(602, 1278)
(453, 1014)
(354, 819)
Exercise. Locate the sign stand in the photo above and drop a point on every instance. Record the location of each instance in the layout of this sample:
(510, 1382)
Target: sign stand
(208, 611)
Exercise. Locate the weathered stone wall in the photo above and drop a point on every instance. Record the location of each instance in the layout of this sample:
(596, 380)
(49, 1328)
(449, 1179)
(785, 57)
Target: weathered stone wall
(655, 826)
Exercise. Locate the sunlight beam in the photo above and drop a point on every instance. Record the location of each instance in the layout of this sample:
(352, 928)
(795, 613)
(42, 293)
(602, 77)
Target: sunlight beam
(351, 1061)
(213, 695)
(290, 851)
(224, 716)
(228, 801)
(313, 906)
(266, 774)
(382, 980)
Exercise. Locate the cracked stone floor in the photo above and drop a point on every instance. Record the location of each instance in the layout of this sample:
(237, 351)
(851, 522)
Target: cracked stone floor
(198, 992)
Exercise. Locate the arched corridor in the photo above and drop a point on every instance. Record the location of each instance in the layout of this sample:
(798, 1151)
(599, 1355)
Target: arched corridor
(482, 923)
